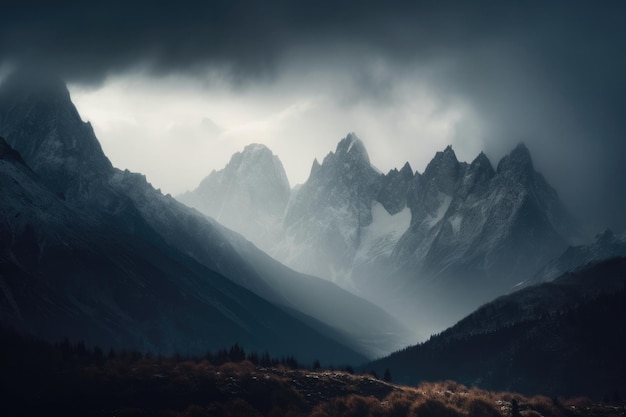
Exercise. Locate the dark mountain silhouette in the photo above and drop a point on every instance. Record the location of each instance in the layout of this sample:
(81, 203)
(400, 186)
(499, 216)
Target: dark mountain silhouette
(566, 337)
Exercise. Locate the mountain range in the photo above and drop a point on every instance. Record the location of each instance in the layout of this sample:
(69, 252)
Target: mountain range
(95, 253)
(428, 247)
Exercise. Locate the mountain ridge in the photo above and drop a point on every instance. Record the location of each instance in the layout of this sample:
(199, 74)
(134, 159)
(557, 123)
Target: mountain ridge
(128, 204)
(565, 337)
(474, 232)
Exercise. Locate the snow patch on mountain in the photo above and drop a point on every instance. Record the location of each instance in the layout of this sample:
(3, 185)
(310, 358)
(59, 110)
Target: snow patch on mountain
(455, 222)
(381, 236)
(445, 201)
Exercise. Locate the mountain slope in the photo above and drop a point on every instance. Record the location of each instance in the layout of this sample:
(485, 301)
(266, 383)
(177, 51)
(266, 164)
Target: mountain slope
(428, 247)
(128, 204)
(324, 218)
(63, 274)
(561, 338)
(475, 233)
(248, 196)
(606, 245)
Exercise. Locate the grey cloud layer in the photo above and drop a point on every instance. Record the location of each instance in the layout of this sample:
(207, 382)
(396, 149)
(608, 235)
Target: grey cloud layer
(548, 73)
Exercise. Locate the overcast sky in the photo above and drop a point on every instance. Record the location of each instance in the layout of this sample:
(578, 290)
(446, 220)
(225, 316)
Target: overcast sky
(172, 91)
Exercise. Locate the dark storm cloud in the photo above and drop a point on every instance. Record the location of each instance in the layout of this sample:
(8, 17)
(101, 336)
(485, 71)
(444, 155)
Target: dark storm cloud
(548, 73)
(87, 39)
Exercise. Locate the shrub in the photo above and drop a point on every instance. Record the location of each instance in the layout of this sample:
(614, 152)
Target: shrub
(480, 407)
(435, 408)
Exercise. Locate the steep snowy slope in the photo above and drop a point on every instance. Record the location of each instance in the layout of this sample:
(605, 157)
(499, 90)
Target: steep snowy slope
(324, 218)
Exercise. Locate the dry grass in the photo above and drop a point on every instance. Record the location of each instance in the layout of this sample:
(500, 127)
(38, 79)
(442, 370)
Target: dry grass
(185, 388)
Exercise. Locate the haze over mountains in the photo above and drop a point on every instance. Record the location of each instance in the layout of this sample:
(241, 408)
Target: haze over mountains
(566, 337)
(429, 247)
(96, 253)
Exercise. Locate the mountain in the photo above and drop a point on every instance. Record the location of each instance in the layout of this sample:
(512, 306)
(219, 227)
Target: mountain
(566, 337)
(65, 274)
(142, 226)
(429, 247)
(325, 216)
(52, 137)
(248, 196)
(475, 233)
(605, 245)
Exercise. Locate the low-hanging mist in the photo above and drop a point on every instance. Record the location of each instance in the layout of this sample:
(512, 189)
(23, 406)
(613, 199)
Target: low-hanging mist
(429, 247)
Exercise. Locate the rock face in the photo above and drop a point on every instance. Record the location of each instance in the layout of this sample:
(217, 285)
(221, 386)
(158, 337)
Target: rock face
(96, 253)
(49, 133)
(248, 196)
(325, 217)
(393, 189)
(436, 244)
(469, 218)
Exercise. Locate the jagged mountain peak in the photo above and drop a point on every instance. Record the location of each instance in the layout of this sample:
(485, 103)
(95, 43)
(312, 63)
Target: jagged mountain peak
(248, 195)
(39, 120)
(482, 165)
(443, 160)
(482, 160)
(442, 172)
(315, 167)
(478, 174)
(406, 170)
(352, 147)
(257, 159)
(518, 160)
